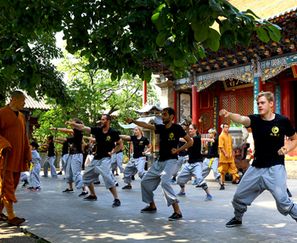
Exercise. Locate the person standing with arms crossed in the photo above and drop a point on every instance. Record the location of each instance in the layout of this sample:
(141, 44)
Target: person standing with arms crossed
(267, 171)
(163, 169)
(15, 155)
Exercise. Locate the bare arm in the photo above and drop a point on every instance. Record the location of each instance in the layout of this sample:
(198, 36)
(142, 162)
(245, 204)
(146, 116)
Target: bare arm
(189, 143)
(78, 126)
(148, 149)
(141, 124)
(291, 145)
(119, 146)
(244, 120)
(125, 137)
(60, 129)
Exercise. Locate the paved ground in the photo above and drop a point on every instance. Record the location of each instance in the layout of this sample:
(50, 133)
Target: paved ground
(58, 217)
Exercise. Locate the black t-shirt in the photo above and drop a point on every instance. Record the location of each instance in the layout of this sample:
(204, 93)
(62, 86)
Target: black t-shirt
(212, 148)
(195, 150)
(138, 146)
(51, 149)
(184, 152)
(169, 138)
(105, 142)
(269, 138)
(75, 142)
(65, 148)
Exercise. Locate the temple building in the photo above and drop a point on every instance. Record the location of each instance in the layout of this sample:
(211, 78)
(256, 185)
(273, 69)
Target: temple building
(232, 78)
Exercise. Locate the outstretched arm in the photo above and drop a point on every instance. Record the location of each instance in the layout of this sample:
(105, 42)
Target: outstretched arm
(125, 137)
(78, 126)
(244, 120)
(62, 129)
(141, 124)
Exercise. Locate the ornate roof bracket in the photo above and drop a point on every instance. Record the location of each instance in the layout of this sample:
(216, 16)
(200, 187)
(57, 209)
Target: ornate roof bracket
(265, 69)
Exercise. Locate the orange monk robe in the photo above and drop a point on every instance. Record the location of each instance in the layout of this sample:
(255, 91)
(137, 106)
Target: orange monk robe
(13, 135)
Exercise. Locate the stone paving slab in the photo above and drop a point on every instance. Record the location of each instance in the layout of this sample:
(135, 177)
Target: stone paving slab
(58, 217)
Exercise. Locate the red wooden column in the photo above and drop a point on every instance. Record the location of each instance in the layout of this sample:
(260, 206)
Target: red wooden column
(175, 105)
(195, 105)
(285, 94)
(144, 94)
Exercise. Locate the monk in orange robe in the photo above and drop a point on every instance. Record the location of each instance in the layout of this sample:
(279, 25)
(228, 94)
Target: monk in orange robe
(15, 154)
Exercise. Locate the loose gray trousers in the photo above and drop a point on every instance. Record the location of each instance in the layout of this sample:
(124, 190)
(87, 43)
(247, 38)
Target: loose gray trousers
(159, 172)
(117, 161)
(255, 181)
(50, 162)
(34, 179)
(207, 167)
(189, 170)
(96, 168)
(73, 170)
(134, 165)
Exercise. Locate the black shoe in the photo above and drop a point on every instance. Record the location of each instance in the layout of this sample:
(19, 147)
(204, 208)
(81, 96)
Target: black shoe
(25, 183)
(133, 178)
(3, 217)
(68, 190)
(222, 187)
(83, 193)
(127, 187)
(116, 203)
(148, 209)
(16, 221)
(175, 216)
(96, 182)
(117, 184)
(60, 173)
(234, 223)
(90, 198)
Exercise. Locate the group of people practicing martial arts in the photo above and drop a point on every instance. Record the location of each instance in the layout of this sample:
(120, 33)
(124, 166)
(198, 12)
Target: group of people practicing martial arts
(180, 158)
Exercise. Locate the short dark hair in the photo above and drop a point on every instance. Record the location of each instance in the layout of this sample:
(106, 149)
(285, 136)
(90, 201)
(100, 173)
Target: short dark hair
(17, 94)
(34, 144)
(169, 110)
(108, 117)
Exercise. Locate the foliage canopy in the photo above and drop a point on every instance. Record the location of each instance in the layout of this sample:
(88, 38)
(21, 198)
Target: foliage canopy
(120, 36)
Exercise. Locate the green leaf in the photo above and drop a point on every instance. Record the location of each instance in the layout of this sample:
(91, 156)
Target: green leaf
(155, 17)
(274, 33)
(161, 38)
(201, 34)
(213, 40)
(262, 34)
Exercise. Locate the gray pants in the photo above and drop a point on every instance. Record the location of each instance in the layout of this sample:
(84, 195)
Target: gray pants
(159, 172)
(189, 170)
(134, 166)
(255, 181)
(117, 161)
(180, 161)
(96, 168)
(34, 179)
(73, 170)
(50, 162)
(210, 164)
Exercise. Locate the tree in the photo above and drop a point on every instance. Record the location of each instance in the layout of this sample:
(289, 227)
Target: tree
(121, 36)
(92, 93)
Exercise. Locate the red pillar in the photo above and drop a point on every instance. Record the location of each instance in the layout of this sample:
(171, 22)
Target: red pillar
(175, 104)
(144, 89)
(261, 85)
(195, 105)
(285, 98)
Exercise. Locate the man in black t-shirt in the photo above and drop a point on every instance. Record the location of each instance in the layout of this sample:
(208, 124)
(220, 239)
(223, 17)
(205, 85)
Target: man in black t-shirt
(163, 169)
(267, 171)
(106, 138)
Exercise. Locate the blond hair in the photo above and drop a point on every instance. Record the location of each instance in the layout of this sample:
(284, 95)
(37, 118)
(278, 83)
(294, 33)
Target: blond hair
(269, 96)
